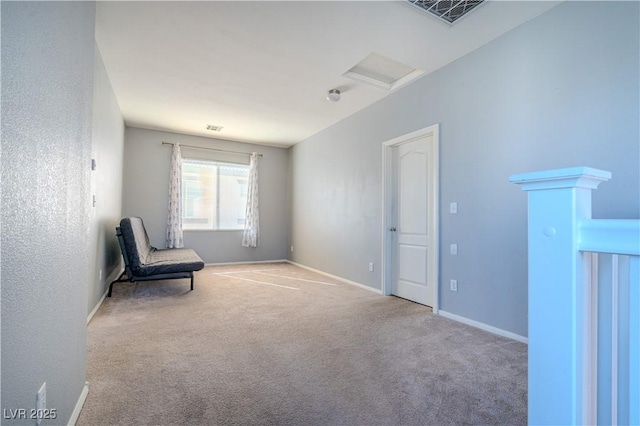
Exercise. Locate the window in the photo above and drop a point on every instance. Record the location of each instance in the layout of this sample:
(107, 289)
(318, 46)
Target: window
(214, 195)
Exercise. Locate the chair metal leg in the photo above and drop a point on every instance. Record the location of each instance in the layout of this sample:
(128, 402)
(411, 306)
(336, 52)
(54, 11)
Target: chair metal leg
(191, 275)
(115, 281)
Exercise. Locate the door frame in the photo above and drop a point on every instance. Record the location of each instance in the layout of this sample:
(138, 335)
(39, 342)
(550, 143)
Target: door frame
(387, 196)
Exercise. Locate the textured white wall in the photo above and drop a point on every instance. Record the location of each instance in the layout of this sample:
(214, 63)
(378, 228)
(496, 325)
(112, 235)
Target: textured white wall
(558, 91)
(107, 150)
(47, 90)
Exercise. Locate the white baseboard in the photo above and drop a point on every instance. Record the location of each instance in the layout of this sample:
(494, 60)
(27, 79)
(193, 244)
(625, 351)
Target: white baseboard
(78, 408)
(112, 276)
(483, 326)
(92, 313)
(248, 262)
(335, 277)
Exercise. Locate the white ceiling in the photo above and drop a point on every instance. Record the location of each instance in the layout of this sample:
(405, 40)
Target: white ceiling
(262, 69)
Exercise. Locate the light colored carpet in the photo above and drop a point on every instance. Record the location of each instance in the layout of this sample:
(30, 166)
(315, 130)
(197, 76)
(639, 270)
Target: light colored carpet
(239, 351)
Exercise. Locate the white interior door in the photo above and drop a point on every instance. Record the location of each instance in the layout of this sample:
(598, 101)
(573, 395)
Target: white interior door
(412, 219)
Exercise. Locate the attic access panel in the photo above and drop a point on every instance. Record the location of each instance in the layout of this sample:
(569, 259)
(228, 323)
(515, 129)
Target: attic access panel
(383, 72)
(447, 10)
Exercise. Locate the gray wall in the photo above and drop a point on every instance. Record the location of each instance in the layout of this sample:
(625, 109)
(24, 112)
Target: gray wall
(146, 194)
(561, 90)
(106, 184)
(47, 90)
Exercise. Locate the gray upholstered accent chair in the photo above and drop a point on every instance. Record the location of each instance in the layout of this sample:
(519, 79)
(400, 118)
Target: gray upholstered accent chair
(144, 262)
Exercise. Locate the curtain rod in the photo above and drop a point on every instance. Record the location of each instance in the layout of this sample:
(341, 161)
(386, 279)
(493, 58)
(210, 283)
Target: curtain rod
(211, 149)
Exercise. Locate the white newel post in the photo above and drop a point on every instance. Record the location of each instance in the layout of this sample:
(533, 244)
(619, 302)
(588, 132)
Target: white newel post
(634, 345)
(558, 296)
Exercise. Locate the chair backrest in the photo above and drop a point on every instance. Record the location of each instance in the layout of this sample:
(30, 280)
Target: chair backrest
(136, 242)
(123, 249)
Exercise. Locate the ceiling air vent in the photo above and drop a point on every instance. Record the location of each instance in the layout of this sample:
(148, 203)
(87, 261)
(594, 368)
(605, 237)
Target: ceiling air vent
(214, 128)
(383, 72)
(448, 11)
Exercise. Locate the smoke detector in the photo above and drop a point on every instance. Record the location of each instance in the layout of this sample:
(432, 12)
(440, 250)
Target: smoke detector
(333, 95)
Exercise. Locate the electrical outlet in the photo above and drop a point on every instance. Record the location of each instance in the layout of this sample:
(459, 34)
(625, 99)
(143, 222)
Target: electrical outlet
(41, 402)
(370, 267)
(453, 249)
(454, 285)
(291, 249)
(100, 275)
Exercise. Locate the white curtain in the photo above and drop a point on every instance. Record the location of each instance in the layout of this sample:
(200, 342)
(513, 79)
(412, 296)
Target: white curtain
(174, 221)
(251, 235)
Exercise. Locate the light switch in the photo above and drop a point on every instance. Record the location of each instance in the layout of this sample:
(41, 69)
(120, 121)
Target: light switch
(453, 249)
(453, 208)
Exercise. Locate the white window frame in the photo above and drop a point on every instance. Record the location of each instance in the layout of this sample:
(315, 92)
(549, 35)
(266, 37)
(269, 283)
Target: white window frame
(217, 207)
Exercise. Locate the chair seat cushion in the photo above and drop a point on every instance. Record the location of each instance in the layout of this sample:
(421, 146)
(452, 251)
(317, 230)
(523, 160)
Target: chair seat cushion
(169, 261)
